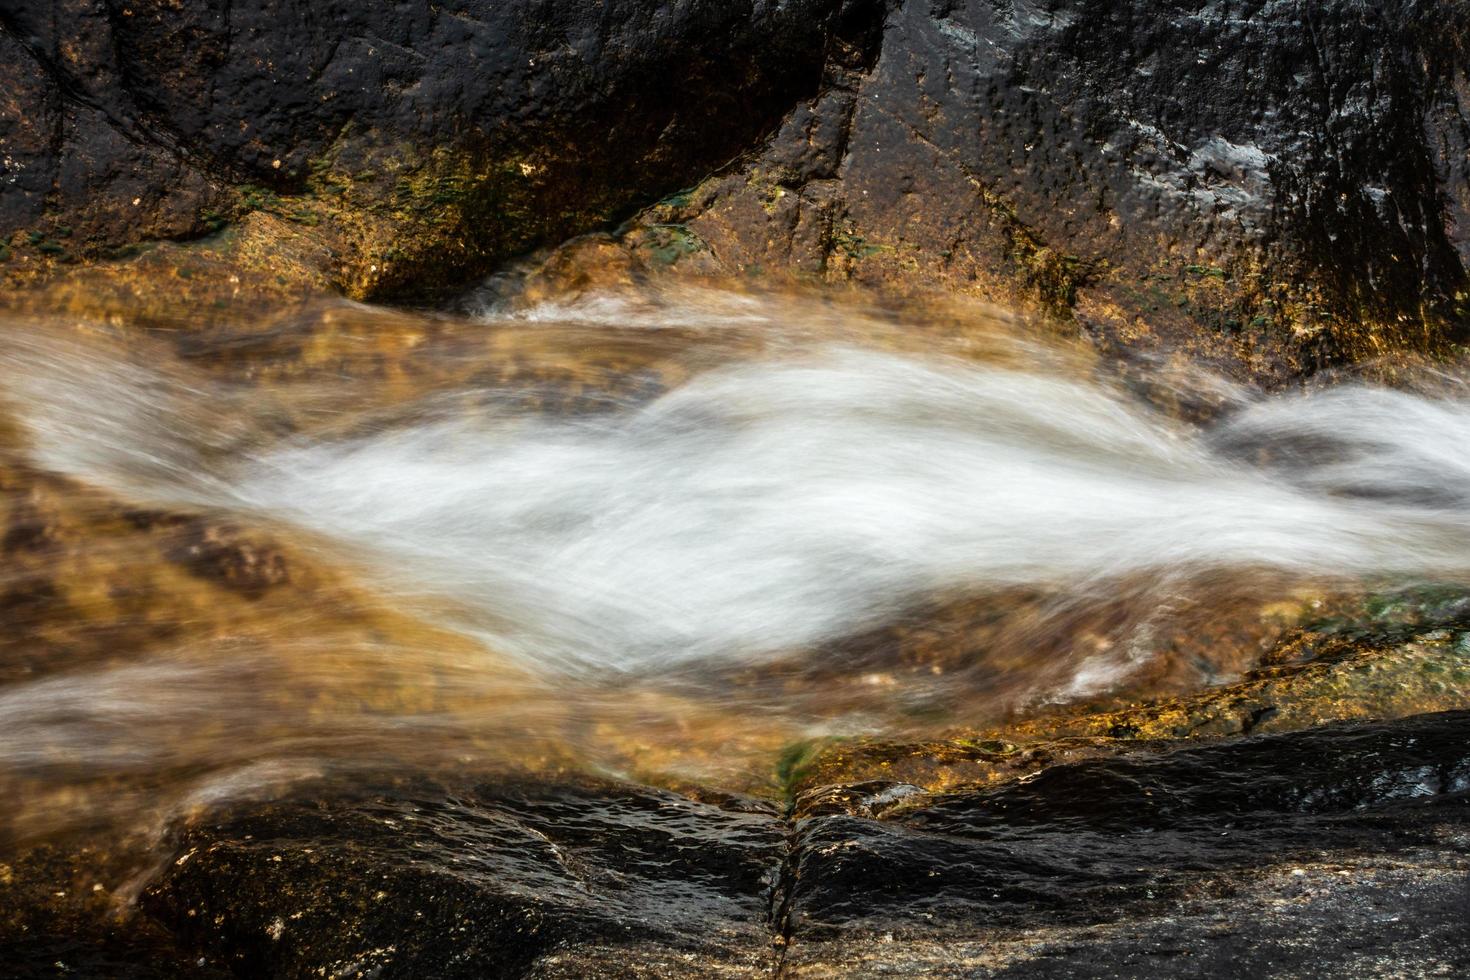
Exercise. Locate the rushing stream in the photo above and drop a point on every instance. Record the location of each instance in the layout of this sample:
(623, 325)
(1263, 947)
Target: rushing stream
(681, 532)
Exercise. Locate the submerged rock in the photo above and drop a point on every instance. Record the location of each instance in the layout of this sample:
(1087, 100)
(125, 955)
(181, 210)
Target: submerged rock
(1390, 655)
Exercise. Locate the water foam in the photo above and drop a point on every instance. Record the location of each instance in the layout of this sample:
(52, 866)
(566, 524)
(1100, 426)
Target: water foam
(778, 503)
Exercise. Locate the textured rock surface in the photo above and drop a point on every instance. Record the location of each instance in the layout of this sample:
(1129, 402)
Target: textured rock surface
(1198, 863)
(1084, 839)
(1401, 916)
(426, 140)
(488, 882)
(1325, 853)
(1290, 183)
(1290, 177)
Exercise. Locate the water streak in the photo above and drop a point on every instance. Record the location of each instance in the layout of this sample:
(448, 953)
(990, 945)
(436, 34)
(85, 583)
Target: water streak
(807, 474)
(777, 503)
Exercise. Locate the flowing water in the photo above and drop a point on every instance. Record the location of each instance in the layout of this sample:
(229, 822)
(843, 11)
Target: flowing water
(659, 537)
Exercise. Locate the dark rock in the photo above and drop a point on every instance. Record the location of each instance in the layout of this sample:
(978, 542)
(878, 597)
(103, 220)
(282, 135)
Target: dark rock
(1402, 916)
(59, 917)
(1296, 181)
(486, 883)
(429, 139)
(1129, 839)
(1339, 851)
(79, 173)
(1249, 167)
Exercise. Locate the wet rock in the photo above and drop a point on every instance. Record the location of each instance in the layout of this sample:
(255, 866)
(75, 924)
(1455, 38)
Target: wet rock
(502, 880)
(421, 143)
(222, 554)
(1274, 186)
(83, 174)
(1334, 852)
(1293, 180)
(63, 914)
(1388, 656)
(1177, 853)
(1401, 916)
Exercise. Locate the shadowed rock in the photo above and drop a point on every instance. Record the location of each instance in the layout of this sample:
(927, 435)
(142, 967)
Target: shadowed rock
(493, 881)
(427, 141)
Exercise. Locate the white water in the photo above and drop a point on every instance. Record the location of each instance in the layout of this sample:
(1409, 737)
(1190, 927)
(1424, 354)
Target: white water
(775, 504)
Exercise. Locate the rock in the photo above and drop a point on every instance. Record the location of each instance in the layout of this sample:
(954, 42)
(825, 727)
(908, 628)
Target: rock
(423, 143)
(63, 913)
(82, 174)
(498, 879)
(1273, 188)
(1337, 851)
(1319, 852)
(220, 553)
(1397, 655)
(1348, 917)
(1294, 182)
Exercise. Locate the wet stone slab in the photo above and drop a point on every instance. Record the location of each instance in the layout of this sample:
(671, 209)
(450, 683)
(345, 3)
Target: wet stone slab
(1324, 852)
(1404, 917)
(1340, 851)
(491, 881)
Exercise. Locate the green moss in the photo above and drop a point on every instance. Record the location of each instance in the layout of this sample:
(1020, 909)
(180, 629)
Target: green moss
(128, 251)
(1419, 604)
(998, 747)
(253, 197)
(404, 221)
(1152, 297)
(679, 199)
(795, 762)
(847, 242)
(1395, 616)
(424, 191)
(668, 243)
